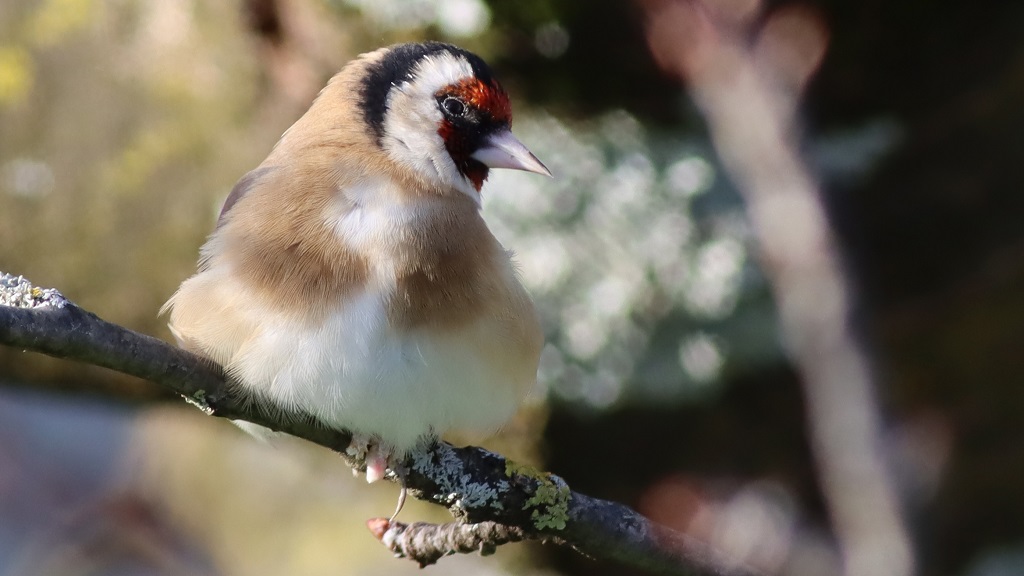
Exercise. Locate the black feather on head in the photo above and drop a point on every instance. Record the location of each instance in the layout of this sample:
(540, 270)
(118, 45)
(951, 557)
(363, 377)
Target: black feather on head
(396, 67)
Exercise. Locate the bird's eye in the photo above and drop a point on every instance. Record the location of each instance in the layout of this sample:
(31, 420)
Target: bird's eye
(454, 107)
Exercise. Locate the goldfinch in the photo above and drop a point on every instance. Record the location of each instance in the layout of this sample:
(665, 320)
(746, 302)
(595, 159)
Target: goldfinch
(351, 277)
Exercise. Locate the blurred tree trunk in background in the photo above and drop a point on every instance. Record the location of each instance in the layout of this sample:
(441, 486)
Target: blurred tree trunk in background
(935, 243)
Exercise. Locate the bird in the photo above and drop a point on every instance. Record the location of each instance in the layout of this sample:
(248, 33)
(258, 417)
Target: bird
(351, 277)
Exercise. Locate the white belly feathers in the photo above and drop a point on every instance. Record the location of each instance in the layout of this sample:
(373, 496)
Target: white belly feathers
(356, 372)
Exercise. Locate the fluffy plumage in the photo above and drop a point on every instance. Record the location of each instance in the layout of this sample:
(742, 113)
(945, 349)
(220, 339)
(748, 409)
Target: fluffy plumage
(351, 276)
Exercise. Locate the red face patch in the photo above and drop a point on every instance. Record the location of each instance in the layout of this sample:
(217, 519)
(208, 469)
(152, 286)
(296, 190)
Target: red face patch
(472, 110)
(488, 98)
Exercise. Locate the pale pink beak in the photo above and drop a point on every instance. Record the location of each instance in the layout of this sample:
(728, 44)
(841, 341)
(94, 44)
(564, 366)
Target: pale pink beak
(503, 150)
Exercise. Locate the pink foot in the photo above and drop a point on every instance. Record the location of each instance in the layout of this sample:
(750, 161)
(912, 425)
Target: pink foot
(373, 452)
(376, 465)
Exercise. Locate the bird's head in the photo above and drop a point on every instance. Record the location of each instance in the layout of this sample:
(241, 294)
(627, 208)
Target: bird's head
(437, 110)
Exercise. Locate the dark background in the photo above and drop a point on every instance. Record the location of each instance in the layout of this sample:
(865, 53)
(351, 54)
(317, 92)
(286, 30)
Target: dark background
(934, 241)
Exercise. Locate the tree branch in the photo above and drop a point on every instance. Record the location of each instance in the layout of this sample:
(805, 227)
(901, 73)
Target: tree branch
(494, 499)
(745, 70)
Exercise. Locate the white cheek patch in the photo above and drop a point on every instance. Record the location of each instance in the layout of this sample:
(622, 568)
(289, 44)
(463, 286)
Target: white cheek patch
(413, 117)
